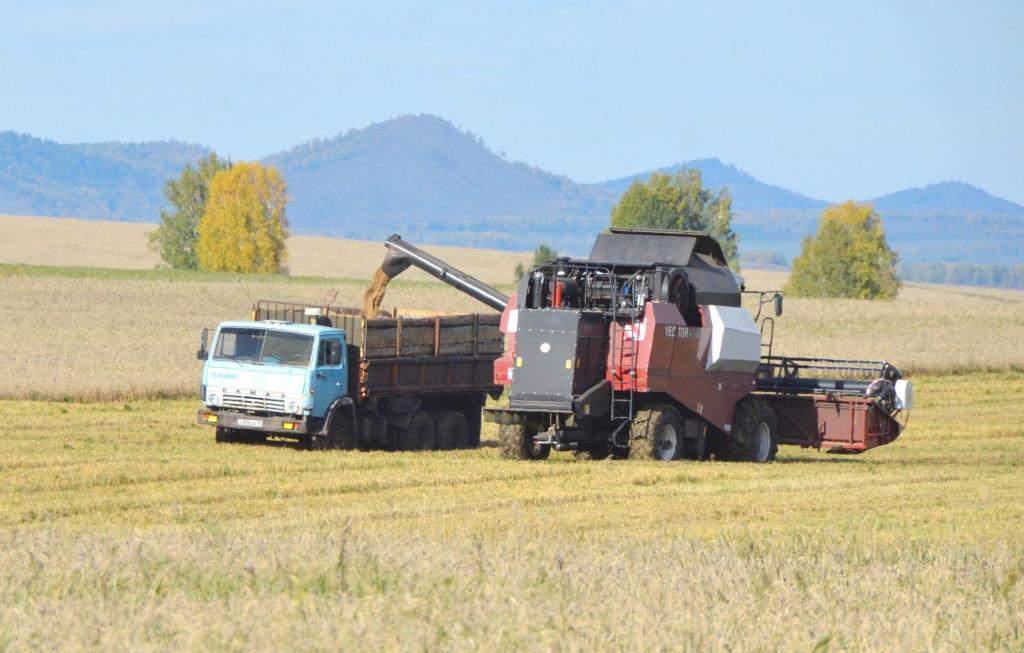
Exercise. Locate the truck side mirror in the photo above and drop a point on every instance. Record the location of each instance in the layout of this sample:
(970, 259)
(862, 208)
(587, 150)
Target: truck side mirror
(778, 304)
(202, 354)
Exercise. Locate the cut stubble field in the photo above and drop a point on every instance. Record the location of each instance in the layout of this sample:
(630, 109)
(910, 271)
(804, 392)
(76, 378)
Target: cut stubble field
(86, 333)
(124, 526)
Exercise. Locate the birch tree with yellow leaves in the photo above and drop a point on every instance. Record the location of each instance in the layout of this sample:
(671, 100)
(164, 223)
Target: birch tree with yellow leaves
(244, 226)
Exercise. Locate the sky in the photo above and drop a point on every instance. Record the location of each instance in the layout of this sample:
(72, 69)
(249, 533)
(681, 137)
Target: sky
(832, 101)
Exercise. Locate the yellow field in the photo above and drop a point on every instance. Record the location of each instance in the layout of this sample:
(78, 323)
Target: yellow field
(88, 334)
(97, 243)
(123, 526)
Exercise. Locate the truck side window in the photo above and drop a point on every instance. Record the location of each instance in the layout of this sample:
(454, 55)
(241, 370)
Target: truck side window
(330, 353)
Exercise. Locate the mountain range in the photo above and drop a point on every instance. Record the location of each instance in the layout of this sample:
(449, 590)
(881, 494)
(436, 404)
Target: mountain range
(423, 177)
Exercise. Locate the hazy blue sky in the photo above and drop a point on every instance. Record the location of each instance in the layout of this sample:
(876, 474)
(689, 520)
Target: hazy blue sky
(832, 102)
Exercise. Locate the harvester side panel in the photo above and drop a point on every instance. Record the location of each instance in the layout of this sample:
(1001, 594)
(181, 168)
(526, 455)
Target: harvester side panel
(671, 358)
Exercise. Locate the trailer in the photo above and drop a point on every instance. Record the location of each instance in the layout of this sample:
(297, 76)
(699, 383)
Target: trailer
(329, 377)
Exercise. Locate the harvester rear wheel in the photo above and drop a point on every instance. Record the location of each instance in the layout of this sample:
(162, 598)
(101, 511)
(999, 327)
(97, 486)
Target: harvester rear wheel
(452, 431)
(517, 443)
(656, 433)
(754, 436)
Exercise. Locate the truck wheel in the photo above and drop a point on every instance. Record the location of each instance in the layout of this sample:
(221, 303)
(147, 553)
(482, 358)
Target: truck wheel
(517, 443)
(452, 431)
(341, 433)
(754, 436)
(656, 434)
(420, 434)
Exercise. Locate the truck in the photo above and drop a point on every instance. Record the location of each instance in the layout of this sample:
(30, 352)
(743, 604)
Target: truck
(644, 349)
(329, 377)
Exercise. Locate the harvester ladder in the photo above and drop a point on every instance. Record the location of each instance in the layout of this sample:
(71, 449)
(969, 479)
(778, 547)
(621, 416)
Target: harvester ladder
(623, 349)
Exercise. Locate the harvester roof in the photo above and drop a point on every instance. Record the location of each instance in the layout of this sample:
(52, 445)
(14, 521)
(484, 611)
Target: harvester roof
(649, 247)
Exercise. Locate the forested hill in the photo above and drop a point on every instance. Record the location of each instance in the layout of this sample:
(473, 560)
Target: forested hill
(749, 194)
(948, 196)
(111, 181)
(424, 177)
(418, 170)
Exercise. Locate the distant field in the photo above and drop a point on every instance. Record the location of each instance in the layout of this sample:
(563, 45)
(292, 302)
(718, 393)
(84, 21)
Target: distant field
(124, 527)
(95, 333)
(96, 243)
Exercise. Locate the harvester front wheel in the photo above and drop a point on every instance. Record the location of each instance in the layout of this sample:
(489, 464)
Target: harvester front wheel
(656, 433)
(517, 443)
(754, 435)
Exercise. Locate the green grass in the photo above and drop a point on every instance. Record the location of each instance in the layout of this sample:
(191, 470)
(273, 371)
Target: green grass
(125, 526)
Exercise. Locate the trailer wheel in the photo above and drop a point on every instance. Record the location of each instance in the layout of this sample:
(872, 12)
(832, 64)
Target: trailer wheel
(754, 436)
(452, 431)
(420, 434)
(656, 434)
(517, 443)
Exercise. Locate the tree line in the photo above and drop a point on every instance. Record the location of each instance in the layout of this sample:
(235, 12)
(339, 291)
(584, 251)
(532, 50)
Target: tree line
(227, 217)
(966, 274)
(847, 257)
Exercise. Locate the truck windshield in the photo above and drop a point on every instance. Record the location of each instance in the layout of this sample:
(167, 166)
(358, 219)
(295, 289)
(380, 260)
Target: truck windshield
(263, 346)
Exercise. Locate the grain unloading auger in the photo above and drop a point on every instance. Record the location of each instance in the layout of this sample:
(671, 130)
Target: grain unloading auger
(643, 349)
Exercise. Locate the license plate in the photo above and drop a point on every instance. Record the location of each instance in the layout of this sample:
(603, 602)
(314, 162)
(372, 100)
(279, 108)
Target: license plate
(254, 423)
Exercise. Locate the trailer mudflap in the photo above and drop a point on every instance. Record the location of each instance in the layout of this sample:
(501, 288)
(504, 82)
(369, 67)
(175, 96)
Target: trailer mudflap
(837, 423)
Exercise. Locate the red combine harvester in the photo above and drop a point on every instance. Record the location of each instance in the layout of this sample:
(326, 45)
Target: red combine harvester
(643, 349)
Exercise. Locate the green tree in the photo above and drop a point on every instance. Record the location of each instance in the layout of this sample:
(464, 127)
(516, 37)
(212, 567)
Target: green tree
(175, 238)
(848, 257)
(541, 255)
(244, 226)
(679, 201)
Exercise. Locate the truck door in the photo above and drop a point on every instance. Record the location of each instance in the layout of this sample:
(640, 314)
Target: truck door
(330, 380)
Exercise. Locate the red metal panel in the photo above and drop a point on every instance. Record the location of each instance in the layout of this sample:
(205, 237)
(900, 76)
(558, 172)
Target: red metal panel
(838, 423)
(671, 358)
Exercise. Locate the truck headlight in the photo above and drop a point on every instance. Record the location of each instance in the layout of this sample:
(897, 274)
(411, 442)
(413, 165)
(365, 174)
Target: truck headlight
(213, 399)
(293, 406)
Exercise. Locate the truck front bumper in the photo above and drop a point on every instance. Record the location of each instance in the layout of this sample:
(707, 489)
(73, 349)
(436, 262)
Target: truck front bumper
(290, 425)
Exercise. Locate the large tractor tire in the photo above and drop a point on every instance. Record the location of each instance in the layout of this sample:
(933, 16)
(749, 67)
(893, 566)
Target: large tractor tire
(451, 431)
(517, 443)
(656, 433)
(420, 434)
(755, 433)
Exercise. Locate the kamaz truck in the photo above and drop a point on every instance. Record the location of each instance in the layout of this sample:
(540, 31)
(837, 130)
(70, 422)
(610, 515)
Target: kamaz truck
(329, 377)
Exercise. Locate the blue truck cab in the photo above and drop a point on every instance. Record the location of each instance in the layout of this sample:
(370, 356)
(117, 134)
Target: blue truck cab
(273, 377)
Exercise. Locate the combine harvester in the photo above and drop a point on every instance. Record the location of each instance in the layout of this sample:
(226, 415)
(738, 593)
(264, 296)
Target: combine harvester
(644, 350)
